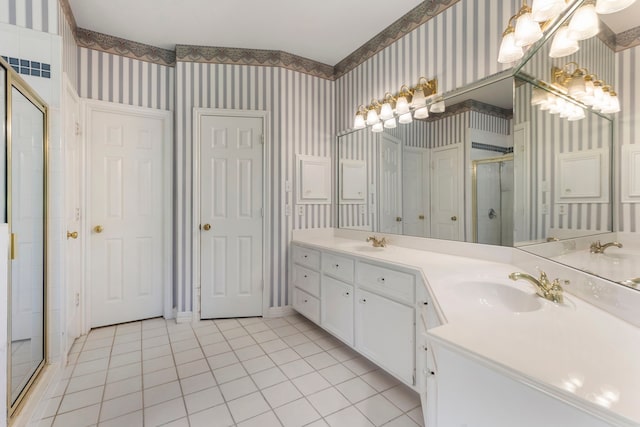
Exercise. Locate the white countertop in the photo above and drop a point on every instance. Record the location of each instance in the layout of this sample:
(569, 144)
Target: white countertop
(575, 351)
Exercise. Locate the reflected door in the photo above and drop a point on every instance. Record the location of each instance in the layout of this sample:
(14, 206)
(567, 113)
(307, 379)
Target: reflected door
(446, 193)
(230, 216)
(126, 217)
(390, 197)
(415, 183)
(27, 220)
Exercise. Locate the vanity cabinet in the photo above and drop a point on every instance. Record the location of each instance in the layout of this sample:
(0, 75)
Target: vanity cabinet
(306, 282)
(337, 309)
(385, 333)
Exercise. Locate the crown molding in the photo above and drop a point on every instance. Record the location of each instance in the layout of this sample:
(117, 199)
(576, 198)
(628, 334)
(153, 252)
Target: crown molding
(394, 32)
(127, 48)
(628, 39)
(259, 57)
(607, 36)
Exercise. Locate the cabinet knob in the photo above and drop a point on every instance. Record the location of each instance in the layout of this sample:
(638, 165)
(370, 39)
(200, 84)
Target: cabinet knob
(381, 279)
(346, 294)
(363, 301)
(337, 265)
(306, 300)
(425, 302)
(306, 256)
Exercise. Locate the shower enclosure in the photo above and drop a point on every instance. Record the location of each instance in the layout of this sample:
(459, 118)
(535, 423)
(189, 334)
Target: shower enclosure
(492, 182)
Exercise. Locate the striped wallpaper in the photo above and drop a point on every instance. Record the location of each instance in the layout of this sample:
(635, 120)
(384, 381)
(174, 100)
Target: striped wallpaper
(302, 117)
(549, 135)
(628, 125)
(106, 77)
(38, 15)
(459, 47)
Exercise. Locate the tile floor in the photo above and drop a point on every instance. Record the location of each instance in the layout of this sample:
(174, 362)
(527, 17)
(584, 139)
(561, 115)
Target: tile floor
(245, 372)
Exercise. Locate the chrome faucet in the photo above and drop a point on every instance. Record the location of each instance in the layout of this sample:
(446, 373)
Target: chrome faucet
(544, 288)
(597, 248)
(377, 243)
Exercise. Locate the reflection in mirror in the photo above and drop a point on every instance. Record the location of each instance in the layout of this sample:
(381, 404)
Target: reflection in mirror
(416, 179)
(27, 227)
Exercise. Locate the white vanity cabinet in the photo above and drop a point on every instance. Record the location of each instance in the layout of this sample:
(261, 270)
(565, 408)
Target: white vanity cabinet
(337, 309)
(306, 282)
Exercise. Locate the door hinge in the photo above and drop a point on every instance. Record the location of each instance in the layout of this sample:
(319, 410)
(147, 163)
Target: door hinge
(14, 248)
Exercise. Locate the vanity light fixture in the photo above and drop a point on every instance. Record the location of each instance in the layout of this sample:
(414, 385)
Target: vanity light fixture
(529, 23)
(408, 104)
(584, 86)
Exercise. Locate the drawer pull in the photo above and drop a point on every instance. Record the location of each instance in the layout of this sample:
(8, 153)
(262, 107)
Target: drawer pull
(423, 303)
(381, 279)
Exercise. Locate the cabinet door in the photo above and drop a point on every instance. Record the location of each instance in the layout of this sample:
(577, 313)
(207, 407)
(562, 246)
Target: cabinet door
(385, 332)
(337, 308)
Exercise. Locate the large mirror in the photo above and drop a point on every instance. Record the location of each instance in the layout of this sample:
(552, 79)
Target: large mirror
(449, 176)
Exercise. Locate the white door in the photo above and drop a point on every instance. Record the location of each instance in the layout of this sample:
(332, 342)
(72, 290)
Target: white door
(446, 194)
(231, 179)
(126, 217)
(390, 185)
(415, 184)
(73, 202)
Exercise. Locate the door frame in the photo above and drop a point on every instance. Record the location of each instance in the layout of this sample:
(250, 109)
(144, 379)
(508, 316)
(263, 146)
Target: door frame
(69, 90)
(91, 106)
(196, 286)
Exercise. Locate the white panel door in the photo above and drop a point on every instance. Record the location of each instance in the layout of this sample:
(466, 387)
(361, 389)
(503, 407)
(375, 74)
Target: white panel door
(73, 203)
(390, 185)
(231, 216)
(446, 195)
(414, 186)
(126, 217)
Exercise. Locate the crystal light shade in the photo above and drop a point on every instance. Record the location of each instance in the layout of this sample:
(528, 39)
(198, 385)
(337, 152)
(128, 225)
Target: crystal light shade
(584, 23)
(421, 113)
(527, 30)
(386, 112)
(377, 127)
(509, 52)
(543, 10)
(402, 106)
(391, 123)
(372, 117)
(405, 118)
(577, 87)
(359, 123)
(604, 7)
(418, 99)
(438, 107)
(562, 45)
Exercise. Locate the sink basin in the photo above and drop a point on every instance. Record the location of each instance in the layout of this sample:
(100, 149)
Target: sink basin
(619, 255)
(497, 297)
(365, 248)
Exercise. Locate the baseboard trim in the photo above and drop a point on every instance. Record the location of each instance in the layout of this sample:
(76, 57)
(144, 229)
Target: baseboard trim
(183, 317)
(279, 311)
(32, 409)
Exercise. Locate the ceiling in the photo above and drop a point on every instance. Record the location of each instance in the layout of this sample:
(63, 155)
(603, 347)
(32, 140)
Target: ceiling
(326, 31)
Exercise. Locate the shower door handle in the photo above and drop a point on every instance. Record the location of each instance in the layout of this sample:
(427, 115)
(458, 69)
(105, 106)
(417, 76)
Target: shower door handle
(492, 213)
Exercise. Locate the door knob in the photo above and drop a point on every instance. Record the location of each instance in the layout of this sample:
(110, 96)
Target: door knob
(454, 218)
(98, 229)
(398, 219)
(420, 216)
(72, 235)
(207, 227)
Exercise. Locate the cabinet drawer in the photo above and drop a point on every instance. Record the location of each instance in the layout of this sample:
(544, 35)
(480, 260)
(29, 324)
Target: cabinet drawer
(307, 257)
(338, 267)
(387, 282)
(307, 305)
(306, 279)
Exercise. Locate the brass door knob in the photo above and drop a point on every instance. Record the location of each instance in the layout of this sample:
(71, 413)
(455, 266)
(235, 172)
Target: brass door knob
(207, 227)
(454, 218)
(72, 235)
(398, 219)
(98, 229)
(420, 216)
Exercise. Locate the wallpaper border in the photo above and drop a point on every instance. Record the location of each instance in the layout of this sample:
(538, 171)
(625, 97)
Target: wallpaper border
(471, 105)
(628, 39)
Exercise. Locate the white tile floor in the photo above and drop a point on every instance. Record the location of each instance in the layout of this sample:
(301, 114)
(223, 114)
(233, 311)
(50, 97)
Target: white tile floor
(245, 372)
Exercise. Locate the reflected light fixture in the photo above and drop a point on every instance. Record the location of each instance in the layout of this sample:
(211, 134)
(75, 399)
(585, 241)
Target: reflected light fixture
(509, 51)
(585, 87)
(604, 7)
(408, 104)
(527, 30)
(584, 23)
(544, 10)
(562, 44)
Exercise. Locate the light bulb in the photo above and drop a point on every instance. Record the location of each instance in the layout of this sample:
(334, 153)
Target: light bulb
(527, 30)
(509, 52)
(604, 7)
(421, 113)
(372, 117)
(544, 10)
(562, 45)
(390, 123)
(405, 118)
(584, 23)
(377, 127)
(386, 112)
(402, 106)
(588, 88)
(418, 99)
(359, 123)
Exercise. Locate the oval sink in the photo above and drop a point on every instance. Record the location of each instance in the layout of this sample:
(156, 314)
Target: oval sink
(497, 297)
